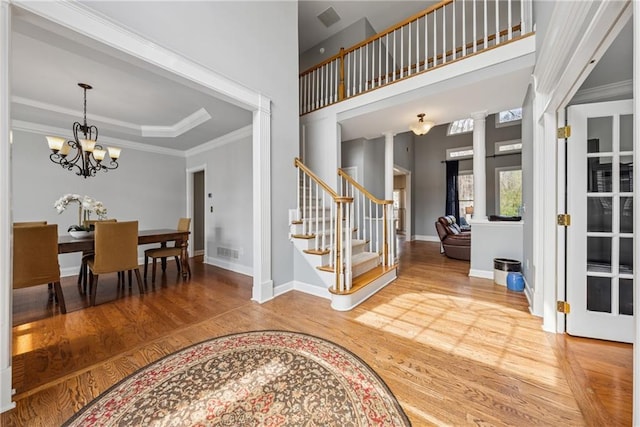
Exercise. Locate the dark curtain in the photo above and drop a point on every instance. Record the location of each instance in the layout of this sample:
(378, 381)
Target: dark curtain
(453, 206)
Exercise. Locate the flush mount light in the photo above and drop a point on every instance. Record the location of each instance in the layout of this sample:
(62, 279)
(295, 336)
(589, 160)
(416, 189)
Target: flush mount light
(422, 126)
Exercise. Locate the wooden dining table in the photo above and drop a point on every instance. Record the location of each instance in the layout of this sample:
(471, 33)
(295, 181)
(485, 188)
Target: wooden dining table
(68, 244)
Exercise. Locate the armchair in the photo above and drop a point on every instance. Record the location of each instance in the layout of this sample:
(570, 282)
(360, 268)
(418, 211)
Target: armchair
(455, 242)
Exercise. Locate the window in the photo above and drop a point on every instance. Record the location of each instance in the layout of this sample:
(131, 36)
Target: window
(509, 117)
(460, 126)
(460, 153)
(512, 146)
(465, 194)
(508, 191)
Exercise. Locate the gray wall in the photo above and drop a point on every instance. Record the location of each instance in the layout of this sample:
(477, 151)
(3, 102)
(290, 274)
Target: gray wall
(368, 157)
(228, 179)
(353, 34)
(235, 39)
(527, 187)
(146, 187)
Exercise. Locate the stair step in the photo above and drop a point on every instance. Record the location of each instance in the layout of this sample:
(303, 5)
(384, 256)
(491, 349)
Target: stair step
(357, 261)
(366, 278)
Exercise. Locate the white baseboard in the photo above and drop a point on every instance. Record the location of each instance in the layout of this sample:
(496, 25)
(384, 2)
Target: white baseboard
(483, 274)
(426, 238)
(294, 285)
(198, 253)
(237, 268)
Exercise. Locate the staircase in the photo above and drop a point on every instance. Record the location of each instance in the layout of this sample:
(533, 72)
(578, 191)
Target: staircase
(348, 238)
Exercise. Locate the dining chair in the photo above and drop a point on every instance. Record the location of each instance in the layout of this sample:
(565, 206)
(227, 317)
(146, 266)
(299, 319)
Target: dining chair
(115, 250)
(163, 253)
(29, 223)
(35, 259)
(83, 273)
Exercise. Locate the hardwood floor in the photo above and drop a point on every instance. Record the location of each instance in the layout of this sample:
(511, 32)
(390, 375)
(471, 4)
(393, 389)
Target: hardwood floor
(454, 350)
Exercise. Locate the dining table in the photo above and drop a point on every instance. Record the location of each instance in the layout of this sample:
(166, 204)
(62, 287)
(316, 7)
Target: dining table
(68, 244)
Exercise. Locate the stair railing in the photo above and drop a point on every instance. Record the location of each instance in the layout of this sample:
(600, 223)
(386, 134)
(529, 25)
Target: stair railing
(438, 35)
(373, 219)
(326, 217)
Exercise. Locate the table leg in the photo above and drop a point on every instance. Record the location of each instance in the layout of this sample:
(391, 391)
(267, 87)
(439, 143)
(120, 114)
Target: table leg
(184, 259)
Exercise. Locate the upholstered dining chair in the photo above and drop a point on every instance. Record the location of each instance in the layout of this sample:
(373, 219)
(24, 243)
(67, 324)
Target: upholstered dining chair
(83, 273)
(115, 250)
(35, 259)
(166, 252)
(29, 223)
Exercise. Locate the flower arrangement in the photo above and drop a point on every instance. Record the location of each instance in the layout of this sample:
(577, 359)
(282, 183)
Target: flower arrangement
(86, 205)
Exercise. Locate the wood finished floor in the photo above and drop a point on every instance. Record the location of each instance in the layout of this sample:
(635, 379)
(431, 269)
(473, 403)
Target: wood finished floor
(454, 350)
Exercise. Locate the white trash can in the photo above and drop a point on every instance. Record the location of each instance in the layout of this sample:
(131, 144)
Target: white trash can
(502, 267)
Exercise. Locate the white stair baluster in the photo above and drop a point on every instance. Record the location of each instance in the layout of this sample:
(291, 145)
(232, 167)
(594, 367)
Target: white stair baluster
(486, 28)
(497, 22)
(509, 31)
(444, 34)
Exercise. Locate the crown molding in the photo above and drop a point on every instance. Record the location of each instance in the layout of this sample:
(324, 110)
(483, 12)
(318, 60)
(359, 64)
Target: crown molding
(30, 127)
(236, 135)
(607, 91)
(179, 128)
(75, 113)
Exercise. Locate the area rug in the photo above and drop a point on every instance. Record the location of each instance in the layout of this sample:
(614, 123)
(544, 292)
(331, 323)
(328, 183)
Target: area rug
(262, 378)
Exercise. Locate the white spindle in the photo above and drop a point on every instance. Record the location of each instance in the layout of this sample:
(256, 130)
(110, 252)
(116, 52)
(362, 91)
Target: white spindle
(444, 34)
(418, 45)
(509, 35)
(464, 29)
(379, 62)
(316, 230)
(370, 223)
(354, 69)
(386, 80)
(453, 44)
(409, 63)
(475, 35)
(360, 72)
(401, 51)
(366, 67)
(497, 21)
(304, 205)
(298, 214)
(363, 206)
(395, 58)
(323, 99)
(324, 222)
(332, 233)
(426, 41)
(486, 27)
(435, 38)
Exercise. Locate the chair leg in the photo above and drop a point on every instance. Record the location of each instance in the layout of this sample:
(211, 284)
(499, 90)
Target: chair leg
(178, 263)
(139, 279)
(153, 270)
(164, 264)
(94, 287)
(60, 297)
(146, 262)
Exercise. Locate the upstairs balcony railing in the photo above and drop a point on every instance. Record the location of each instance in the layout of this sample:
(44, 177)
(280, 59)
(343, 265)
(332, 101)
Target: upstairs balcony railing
(444, 33)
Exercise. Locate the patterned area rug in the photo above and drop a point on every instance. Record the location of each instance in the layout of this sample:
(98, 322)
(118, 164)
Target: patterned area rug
(264, 378)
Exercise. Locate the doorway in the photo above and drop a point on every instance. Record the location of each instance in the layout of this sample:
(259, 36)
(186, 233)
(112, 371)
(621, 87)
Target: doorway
(196, 206)
(600, 238)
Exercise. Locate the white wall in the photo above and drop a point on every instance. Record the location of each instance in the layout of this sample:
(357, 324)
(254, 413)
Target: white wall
(146, 187)
(238, 40)
(229, 181)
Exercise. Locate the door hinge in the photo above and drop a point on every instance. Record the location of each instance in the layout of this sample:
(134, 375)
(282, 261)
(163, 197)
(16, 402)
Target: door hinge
(564, 132)
(563, 307)
(564, 220)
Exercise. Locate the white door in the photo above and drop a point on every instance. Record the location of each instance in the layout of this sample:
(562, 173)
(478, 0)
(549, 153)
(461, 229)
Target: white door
(600, 238)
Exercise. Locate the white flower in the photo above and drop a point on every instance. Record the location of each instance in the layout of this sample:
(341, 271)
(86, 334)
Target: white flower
(86, 206)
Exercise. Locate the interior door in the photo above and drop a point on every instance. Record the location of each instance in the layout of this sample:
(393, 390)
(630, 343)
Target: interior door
(599, 253)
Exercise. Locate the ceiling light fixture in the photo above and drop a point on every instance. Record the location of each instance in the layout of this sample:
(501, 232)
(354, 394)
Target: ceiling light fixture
(89, 156)
(421, 127)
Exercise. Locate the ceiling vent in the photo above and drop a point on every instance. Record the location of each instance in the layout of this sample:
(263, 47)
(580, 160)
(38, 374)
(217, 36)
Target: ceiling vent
(329, 17)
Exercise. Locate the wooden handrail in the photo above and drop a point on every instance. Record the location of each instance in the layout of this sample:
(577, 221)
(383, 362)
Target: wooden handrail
(363, 190)
(298, 163)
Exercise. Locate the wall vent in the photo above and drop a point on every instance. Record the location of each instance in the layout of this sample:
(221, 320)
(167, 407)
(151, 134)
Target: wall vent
(227, 252)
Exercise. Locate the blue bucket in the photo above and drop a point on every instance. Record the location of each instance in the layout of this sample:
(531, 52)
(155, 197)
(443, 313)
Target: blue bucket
(515, 281)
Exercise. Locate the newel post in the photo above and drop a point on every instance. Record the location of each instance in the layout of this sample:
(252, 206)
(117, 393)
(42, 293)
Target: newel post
(341, 85)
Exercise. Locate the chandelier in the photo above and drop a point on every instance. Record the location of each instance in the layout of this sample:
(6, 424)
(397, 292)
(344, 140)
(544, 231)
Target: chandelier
(421, 127)
(88, 157)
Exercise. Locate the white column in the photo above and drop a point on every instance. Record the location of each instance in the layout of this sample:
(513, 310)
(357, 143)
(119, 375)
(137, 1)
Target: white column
(388, 165)
(479, 166)
(262, 281)
(5, 212)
